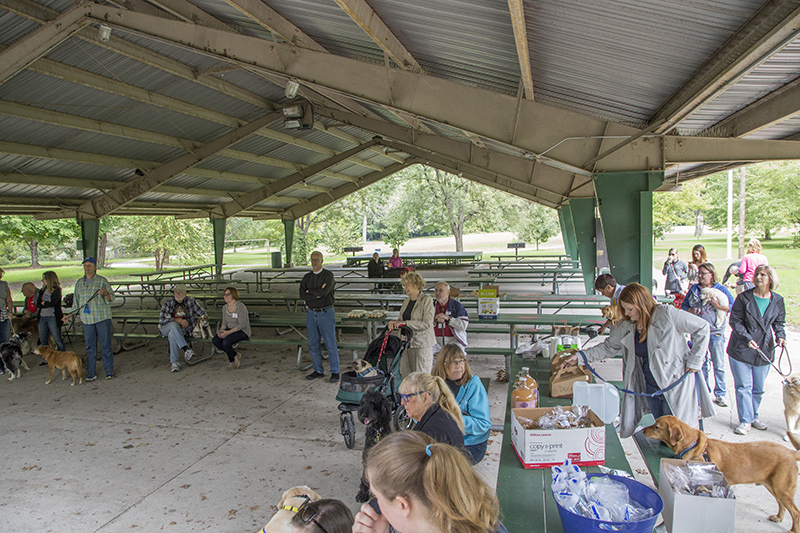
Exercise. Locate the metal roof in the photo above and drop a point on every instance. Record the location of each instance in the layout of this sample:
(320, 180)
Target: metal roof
(520, 95)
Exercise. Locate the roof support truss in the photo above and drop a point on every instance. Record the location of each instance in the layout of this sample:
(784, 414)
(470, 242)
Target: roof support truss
(775, 107)
(517, 11)
(270, 19)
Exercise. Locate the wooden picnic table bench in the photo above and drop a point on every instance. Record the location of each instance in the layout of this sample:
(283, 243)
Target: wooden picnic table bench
(523, 256)
(189, 272)
(557, 276)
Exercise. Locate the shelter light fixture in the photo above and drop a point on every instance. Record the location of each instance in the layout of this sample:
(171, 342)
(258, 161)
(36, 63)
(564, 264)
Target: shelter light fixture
(104, 32)
(291, 89)
(298, 114)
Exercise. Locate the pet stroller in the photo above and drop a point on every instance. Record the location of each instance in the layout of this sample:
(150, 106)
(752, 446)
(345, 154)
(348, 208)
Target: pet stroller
(384, 354)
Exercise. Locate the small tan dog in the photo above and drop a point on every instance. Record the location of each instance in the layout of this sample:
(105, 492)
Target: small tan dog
(66, 361)
(291, 500)
(613, 313)
(363, 369)
(761, 462)
(791, 403)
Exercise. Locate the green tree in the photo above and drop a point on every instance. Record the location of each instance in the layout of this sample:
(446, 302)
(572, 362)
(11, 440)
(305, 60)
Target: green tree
(535, 223)
(37, 232)
(673, 208)
(189, 241)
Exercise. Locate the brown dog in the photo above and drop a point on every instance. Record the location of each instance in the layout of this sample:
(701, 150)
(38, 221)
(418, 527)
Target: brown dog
(66, 361)
(613, 313)
(762, 462)
(791, 403)
(292, 499)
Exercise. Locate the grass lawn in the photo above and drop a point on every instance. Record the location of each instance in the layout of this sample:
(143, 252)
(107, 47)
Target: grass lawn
(786, 262)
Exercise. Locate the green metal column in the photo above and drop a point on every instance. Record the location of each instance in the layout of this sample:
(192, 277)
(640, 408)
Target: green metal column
(584, 226)
(568, 231)
(219, 224)
(625, 200)
(90, 236)
(288, 235)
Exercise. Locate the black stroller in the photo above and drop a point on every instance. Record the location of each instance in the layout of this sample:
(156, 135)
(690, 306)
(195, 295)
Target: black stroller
(384, 353)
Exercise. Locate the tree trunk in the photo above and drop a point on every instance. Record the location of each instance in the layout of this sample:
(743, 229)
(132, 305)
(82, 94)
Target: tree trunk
(33, 244)
(698, 224)
(159, 257)
(458, 233)
(101, 251)
(742, 191)
(767, 235)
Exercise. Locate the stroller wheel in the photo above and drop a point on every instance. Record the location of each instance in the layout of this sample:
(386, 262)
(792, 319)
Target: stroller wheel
(348, 427)
(401, 419)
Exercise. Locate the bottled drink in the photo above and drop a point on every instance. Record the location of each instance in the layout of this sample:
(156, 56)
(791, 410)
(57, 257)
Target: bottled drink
(526, 390)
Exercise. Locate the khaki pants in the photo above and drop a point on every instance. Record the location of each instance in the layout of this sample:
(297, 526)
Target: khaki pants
(416, 360)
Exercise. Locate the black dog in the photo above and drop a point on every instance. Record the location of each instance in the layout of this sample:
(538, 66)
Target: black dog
(11, 355)
(375, 412)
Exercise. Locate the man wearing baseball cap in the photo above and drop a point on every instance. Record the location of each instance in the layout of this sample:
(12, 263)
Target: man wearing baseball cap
(176, 321)
(93, 297)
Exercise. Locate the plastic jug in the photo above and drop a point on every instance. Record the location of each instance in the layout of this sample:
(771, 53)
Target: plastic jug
(526, 390)
(602, 399)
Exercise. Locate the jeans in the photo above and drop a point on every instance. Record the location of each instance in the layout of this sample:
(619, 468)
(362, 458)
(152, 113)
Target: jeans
(226, 344)
(174, 332)
(5, 330)
(91, 333)
(658, 405)
(321, 325)
(716, 354)
(749, 383)
(476, 452)
(49, 325)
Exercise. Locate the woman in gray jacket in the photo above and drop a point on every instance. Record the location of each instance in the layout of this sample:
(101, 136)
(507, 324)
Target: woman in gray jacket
(655, 355)
(417, 313)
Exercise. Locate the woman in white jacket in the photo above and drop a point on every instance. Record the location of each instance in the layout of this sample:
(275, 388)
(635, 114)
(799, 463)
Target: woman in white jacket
(656, 355)
(417, 313)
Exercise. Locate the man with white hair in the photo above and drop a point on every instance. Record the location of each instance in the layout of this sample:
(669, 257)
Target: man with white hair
(450, 319)
(176, 322)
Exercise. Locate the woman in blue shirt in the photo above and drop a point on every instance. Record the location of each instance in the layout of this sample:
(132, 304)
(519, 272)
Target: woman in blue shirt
(452, 366)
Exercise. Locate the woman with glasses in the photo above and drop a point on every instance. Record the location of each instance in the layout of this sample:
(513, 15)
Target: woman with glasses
(416, 312)
(452, 366)
(433, 408)
(676, 271)
(235, 327)
(48, 302)
(421, 485)
(323, 516)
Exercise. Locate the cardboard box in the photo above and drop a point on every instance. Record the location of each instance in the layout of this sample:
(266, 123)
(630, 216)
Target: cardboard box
(561, 381)
(539, 448)
(489, 301)
(689, 514)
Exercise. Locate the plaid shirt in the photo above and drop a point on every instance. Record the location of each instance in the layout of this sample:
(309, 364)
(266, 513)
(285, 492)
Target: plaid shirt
(99, 308)
(193, 310)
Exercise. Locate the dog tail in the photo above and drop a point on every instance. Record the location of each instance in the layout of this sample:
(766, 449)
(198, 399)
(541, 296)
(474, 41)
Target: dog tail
(795, 440)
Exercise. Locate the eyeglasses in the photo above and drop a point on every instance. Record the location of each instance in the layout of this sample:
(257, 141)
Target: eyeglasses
(407, 397)
(308, 514)
(226, 294)
(457, 362)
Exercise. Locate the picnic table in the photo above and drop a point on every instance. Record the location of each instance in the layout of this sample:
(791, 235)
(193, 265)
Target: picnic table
(183, 273)
(160, 288)
(519, 257)
(422, 258)
(558, 276)
(263, 276)
(529, 263)
(377, 283)
(526, 503)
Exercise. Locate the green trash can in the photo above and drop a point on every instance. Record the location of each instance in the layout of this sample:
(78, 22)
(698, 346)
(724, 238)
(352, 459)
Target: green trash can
(277, 261)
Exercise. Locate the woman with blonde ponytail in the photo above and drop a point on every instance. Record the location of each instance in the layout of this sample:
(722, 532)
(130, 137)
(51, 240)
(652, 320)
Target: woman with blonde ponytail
(433, 408)
(425, 487)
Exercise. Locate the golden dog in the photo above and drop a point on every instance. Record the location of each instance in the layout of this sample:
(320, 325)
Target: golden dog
(613, 313)
(291, 500)
(762, 462)
(66, 361)
(791, 403)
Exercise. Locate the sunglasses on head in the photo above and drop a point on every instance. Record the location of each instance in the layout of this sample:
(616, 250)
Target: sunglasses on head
(308, 514)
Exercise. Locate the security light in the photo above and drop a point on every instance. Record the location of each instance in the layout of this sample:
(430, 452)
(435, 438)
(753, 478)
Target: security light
(298, 114)
(291, 89)
(104, 33)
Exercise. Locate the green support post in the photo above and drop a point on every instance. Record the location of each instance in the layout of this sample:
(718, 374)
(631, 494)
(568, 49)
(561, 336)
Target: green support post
(219, 224)
(288, 234)
(568, 231)
(625, 201)
(583, 222)
(90, 236)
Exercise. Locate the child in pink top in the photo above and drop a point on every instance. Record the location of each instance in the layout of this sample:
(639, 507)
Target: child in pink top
(750, 261)
(395, 261)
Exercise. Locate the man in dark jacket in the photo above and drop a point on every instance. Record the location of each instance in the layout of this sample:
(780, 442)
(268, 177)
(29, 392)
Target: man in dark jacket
(375, 268)
(316, 289)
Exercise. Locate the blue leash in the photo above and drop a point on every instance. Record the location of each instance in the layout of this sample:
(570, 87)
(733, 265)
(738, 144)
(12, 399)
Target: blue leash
(626, 391)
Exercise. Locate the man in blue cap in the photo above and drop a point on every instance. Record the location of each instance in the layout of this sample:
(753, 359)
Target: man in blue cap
(93, 297)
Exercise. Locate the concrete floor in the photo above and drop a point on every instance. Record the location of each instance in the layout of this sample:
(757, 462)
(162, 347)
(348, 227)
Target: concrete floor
(209, 449)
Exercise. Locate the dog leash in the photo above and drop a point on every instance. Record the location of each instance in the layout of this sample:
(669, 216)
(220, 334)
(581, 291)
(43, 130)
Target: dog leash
(626, 391)
(785, 352)
(84, 305)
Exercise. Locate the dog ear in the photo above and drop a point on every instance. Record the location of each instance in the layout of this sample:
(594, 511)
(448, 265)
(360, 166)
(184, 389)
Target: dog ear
(675, 433)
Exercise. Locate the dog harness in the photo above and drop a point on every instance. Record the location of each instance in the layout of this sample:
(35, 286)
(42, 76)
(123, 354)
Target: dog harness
(692, 445)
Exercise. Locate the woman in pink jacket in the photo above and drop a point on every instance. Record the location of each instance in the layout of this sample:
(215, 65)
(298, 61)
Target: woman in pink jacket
(752, 259)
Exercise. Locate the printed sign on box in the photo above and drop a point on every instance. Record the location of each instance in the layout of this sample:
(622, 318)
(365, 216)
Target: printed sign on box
(488, 301)
(539, 448)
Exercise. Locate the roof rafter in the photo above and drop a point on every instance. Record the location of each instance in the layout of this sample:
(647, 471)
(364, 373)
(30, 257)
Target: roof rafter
(771, 109)
(517, 11)
(190, 13)
(270, 19)
(117, 198)
(369, 21)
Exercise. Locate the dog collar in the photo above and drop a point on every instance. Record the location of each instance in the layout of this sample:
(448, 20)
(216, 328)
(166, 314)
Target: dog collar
(364, 372)
(692, 445)
(296, 509)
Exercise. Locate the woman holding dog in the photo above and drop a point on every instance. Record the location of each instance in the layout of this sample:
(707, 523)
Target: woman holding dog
(6, 306)
(756, 321)
(235, 327)
(452, 366)
(424, 486)
(655, 355)
(48, 302)
(417, 313)
(433, 408)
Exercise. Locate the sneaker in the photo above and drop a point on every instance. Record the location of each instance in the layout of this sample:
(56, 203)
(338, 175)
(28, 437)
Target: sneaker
(176, 367)
(91, 378)
(110, 376)
(720, 400)
(334, 378)
(742, 429)
(188, 354)
(314, 375)
(759, 425)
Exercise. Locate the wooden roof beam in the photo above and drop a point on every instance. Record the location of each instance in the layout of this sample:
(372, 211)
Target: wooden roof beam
(270, 19)
(517, 11)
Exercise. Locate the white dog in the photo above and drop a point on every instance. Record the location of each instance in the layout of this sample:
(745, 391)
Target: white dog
(291, 501)
(710, 293)
(202, 327)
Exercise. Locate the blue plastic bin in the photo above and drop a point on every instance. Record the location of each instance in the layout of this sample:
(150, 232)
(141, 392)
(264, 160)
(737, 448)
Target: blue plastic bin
(641, 494)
